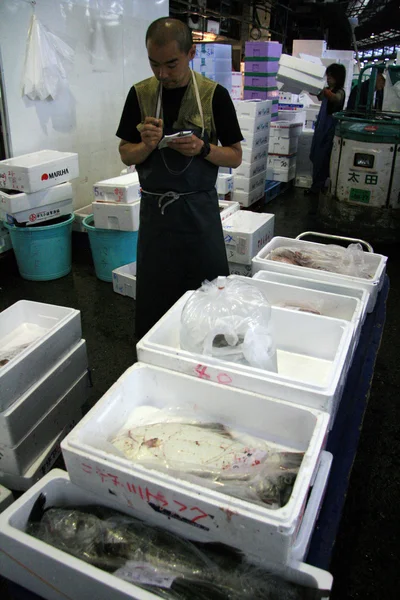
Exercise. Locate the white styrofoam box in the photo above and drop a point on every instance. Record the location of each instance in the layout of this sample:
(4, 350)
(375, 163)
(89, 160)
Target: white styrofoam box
(295, 116)
(254, 109)
(248, 185)
(6, 498)
(54, 329)
(227, 209)
(125, 189)
(39, 170)
(245, 233)
(124, 280)
(375, 262)
(239, 269)
(212, 64)
(224, 183)
(81, 579)
(296, 80)
(256, 140)
(249, 170)
(116, 215)
(32, 208)
(250, 126)
(250, 155)
(19, 418)
(282, 145)
(302, 66)
(43, 463)
(17, 459)
(281, 167)
(246, 199)
(45, 213)
(215, 50)
(312, 353)
(80, 215)
(313, 47)
(285, 129)
(283, 176)
(268, 533)
(303, 181)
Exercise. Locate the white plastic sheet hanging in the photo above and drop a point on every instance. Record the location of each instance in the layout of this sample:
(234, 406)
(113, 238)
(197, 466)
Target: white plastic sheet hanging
(44, 69)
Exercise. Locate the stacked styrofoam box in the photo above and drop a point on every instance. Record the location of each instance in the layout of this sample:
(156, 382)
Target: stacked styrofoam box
(245, 233)
(303, 162)
(237, 86)
(117, 203)
(41, 180)
(298, 74)
(282, 150)
(261, 65)
(254, 118)
(42, 388)
(214, 61)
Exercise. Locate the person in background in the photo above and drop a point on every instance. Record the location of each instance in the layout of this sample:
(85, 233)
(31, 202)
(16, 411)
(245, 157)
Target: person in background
(378, 102)
(180, 242)
(333, 97)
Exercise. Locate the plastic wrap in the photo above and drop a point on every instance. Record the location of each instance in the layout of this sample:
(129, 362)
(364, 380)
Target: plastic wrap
(214, 456)
(44, 69)
(167, 565)
(231, 320)
(335, 259)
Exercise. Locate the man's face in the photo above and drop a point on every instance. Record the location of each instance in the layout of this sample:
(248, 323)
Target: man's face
(169, 64)
(380, 82)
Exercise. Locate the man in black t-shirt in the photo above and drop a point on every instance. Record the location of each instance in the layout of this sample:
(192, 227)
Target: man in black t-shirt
(180, 240)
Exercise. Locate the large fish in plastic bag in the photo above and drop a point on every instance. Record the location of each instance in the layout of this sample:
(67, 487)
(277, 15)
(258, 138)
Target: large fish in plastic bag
(229, 319)
(153, 559)
(213, 456)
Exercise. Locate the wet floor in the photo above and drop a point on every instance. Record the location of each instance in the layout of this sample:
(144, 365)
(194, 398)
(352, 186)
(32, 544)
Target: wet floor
(364, 560)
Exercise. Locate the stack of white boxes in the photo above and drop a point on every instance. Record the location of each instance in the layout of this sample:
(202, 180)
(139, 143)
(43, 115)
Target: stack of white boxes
(44, 382)
(117, 203)
(237, 86)
(214, 61)
(249, 179)
(245, 233)
(41, 180)
(282, 150)
(299, 75)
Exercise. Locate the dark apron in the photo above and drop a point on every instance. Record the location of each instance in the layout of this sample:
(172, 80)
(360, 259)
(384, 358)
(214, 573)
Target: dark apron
(321, 147)
(180, 242)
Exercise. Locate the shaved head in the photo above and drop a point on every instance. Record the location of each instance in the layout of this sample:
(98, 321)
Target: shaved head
(166, 30)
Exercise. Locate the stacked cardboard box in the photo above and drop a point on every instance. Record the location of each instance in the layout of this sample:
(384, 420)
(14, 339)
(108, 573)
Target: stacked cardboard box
(261, 66)
(282, 150)
(215, 62)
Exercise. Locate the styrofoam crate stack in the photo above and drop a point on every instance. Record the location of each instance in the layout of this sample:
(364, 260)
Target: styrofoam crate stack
(124, 189)
(43, 380)
(214, 61)
(245, 233)
(282, 150)
(37, 207)
(281, 167)
(260, 71)
(117, 203)
(298, 74)
(237, 86)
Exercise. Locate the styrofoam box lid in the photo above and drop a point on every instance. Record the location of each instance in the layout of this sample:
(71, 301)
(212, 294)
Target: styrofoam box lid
(26, 161)
(13, 203)
(246, 221)
(120, 181)
(310, 68)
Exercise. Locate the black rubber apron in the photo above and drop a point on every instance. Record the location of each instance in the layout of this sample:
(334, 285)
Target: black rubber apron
(180, 242)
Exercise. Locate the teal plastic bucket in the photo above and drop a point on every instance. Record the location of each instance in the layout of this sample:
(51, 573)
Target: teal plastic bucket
(110, 248)
(43, 253)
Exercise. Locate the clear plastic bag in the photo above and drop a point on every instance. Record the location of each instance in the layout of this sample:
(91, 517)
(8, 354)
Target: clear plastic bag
(44, 70)
(335, 259)
(214, 456)
(230, 320)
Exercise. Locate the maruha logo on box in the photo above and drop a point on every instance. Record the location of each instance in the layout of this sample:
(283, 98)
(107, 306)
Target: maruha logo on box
(47, 176)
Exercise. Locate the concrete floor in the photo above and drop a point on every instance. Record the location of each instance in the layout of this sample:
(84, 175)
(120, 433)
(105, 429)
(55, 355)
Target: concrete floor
(365, 557)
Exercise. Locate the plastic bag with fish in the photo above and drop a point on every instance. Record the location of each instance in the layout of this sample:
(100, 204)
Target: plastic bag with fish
(214, 456)
(335, 259)
(167, 565)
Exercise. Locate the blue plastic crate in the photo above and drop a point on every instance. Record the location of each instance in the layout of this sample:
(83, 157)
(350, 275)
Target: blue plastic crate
(272, 190)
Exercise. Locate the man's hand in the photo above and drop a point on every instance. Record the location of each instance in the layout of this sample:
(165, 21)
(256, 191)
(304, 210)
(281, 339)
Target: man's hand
(188, 146)
(152, 132)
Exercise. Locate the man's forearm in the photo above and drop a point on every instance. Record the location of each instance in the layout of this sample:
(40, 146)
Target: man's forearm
(133, 154)
(225, 156)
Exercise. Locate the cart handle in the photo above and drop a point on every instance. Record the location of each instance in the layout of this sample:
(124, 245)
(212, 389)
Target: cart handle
(329, 236)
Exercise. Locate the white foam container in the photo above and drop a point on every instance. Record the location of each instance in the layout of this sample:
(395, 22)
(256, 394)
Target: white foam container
(281, 167)
(303, 66)
(246, 199)
(19, 418)
(59, 329)
(80, 215)
(256, 140)
(38, 171)
(32, 208)
(6, 498)
(376, 262)
(124, 280)
(117, 216)
(298, 81)
(224, 183)
(251, 169)
(313, 357)
(286, 129)
(245, 233)
(49, 572)
(125, 189)
(17, 459)
(284, 176)
(253, 108)
(283, 145)
(250, 126)
(295, 116)
(265, 534)
(250, 155)
(227, 208)
(43, 463)
(248, 184)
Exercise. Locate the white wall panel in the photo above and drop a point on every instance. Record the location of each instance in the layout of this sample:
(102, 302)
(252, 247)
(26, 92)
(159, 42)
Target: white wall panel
(108, 39)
